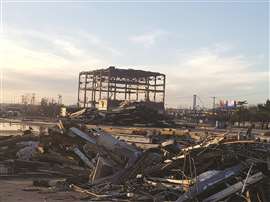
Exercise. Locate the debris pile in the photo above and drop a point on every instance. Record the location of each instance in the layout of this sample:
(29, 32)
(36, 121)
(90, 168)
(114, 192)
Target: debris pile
(128, 113)
(104, 168)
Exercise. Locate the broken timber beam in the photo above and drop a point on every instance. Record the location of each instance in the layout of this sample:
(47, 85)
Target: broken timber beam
(234, 188)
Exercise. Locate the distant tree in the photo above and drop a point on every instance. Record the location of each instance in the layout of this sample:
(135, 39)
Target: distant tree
(241, 115)
(253, 114)
(258, 113)
(263, 114)
(49, 109)
(44, 102)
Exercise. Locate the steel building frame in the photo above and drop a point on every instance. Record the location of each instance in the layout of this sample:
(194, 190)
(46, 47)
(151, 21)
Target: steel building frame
(120, 84)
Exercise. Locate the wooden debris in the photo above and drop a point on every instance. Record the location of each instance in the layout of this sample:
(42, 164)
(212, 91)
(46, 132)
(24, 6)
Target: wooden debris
(105, 168)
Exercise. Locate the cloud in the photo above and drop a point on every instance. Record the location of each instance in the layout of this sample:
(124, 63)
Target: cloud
(49, 64)
(217, 70)
(213, 71)
(37, 51)
(94, 40)
(148, 39)
(32, 61)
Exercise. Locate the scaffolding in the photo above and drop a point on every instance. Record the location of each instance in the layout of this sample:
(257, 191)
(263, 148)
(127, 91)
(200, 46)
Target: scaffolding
(116, 85)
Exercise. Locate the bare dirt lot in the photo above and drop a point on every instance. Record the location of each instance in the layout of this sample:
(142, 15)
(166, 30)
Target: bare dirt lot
(23, 190)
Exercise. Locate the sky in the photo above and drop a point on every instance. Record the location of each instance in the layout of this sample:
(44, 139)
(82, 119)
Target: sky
(207, 48)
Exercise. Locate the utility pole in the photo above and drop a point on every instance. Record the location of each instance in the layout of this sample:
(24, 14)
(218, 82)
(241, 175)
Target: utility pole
(33, 99)
(214, 102)
(194, 102)
(59, 99)
(214, 107)
(1, 90)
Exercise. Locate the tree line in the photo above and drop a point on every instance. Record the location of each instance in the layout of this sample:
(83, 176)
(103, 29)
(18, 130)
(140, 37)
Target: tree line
(254, 114)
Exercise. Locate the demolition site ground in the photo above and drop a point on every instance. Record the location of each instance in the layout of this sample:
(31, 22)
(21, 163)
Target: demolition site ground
(74, 161)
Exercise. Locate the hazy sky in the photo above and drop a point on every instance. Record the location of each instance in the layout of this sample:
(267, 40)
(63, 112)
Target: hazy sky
(208, 49)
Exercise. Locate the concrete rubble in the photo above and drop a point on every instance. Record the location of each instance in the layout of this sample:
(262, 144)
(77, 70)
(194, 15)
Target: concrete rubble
(104, 168)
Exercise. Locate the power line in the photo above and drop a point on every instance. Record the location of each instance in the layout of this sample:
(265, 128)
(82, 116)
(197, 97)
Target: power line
(201, 101)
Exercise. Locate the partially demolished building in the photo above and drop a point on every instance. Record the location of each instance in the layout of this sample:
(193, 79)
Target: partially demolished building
(111, 86)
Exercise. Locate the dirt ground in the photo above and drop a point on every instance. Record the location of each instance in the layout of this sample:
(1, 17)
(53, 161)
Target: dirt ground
(22, 190)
